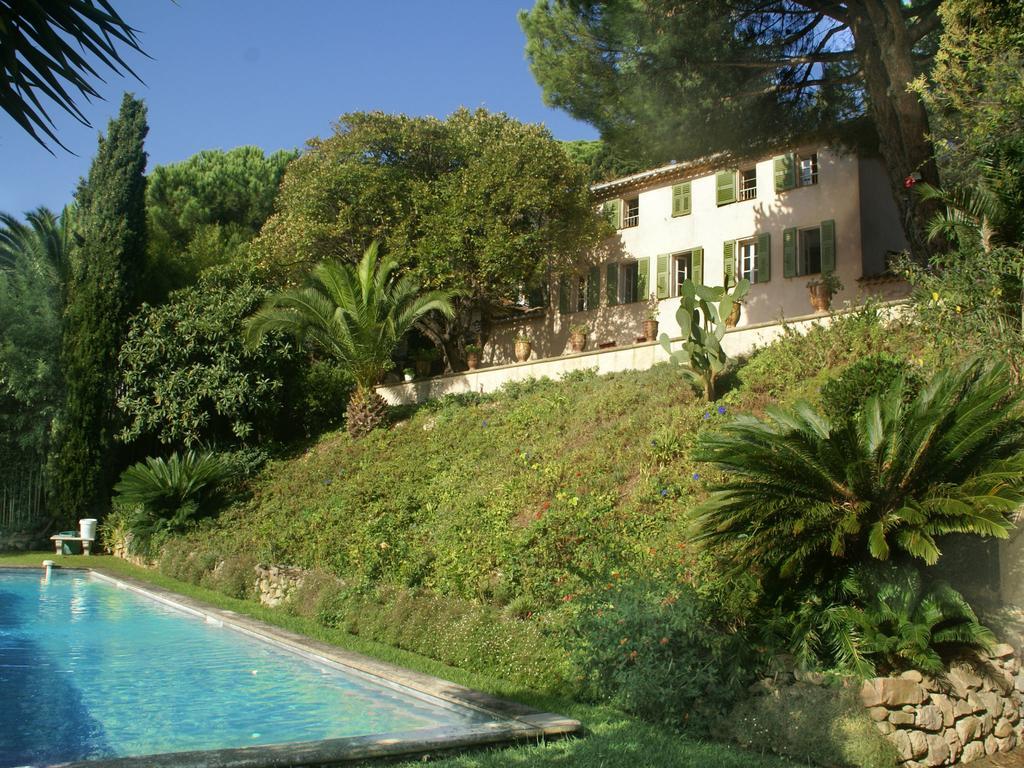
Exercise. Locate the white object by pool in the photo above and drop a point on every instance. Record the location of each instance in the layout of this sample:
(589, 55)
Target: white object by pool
(97, 669)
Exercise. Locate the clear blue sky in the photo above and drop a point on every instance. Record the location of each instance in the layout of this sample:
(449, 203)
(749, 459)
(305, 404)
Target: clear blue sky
(275, 73)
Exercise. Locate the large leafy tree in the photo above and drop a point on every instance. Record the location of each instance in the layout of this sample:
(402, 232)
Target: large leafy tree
(355, 314)
(33, 257)
(479, 204)
(674, 79)
(804, 496)
(203, 210)
(105, 266)
(49, 50)
(186, 378)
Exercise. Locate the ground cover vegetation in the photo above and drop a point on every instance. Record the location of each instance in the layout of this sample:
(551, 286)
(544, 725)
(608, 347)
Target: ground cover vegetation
(582, 551)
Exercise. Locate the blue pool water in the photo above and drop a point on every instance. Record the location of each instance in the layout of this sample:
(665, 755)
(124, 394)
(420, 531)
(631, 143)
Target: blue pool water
(88, 670)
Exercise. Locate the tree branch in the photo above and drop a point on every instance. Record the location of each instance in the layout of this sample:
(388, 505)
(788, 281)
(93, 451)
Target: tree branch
(925, 27)
(820, 57)
(786, 87)
(921, 10)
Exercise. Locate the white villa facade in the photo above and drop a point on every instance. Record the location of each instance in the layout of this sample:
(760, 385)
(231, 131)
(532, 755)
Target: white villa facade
(780, 221)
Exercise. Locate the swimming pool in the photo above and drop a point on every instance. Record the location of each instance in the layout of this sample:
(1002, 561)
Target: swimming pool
(91, 671)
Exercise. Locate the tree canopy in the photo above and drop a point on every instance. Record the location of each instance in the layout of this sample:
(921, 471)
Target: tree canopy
(478, 203)
(676, 79)
(202, 210)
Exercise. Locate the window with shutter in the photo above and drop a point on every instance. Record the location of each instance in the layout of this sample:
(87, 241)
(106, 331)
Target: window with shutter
(593, 287)
(564, 300)
(729, 262)
(613, 210)
(681, 199)
(789, 252)
(661, 278)
(828, 246)
(697, 265)
(643, 279)
(725, 187)
(764, 258)
(809, 256)
(611, 284)
(785, 172)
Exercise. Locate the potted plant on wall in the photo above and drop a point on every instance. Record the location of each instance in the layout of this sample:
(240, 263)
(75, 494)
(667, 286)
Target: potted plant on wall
(408, 374)
(523, 347)
(823, 289)
(578, 337)
(651, 320)
(473, 356)
(424, 360)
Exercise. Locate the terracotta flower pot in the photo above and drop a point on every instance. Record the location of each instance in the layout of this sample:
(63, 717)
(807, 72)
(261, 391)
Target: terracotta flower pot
(577, 342)
(651, 330)
(821, 297)
(523, 349)
(473, 360)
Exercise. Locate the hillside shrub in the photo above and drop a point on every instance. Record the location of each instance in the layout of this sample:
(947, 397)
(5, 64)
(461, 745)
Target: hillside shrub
(659, 653)
(820, 725)
(458, 632)
(166, 496)
(845, 395)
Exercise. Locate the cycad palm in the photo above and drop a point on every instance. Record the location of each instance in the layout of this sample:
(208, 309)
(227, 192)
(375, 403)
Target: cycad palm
(356, 315)
(805, 496)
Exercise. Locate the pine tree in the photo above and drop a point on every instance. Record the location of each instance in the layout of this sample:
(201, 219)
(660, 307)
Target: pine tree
(107, 259)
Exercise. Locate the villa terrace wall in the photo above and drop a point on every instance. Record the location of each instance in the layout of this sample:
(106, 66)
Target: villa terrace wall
(631, 357)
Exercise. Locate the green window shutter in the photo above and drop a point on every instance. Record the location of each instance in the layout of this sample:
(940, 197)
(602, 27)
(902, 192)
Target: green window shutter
(763, 257)
(611, 284)
(661, 283)
(593, 288)
(564, 306)
(785, 172)
(643, 279)
(828, 246)
(697, 266)
(729, 262)
(789, 252)
(681, 199)
(725, 185)
(613, 210)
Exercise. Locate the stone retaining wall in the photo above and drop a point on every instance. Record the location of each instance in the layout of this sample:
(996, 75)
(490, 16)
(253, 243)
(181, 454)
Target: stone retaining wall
(975, 710)
(276, 583)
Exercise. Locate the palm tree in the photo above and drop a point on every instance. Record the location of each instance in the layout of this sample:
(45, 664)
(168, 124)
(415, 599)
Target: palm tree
(40, 245)
(356, 315)
(805, 498)
(60, 40)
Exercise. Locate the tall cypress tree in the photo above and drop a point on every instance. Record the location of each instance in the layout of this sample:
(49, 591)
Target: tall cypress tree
(107, 260)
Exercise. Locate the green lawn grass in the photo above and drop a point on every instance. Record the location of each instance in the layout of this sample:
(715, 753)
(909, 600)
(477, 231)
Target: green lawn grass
(613, 738)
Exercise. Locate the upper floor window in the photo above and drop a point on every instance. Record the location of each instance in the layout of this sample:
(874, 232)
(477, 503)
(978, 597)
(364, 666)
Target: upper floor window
(807, 169)
(793, 170)
(631, 212)
(748, 184)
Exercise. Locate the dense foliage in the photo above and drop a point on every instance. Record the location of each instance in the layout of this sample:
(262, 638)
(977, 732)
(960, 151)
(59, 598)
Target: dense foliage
(33, 257)
(188, 378)
(803, 493)
(105, 266)
(166, 496)
(355, 316)
(477, 203)
(203, 210)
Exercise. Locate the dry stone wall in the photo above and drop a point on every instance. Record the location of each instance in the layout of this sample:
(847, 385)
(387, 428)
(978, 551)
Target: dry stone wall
(975, 710)
(276, 583)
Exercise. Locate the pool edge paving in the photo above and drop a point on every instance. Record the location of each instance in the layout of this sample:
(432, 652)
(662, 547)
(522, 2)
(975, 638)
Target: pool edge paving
(511, 722)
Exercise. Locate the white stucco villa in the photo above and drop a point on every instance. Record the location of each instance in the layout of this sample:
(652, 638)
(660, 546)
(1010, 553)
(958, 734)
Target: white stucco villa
(780, 221)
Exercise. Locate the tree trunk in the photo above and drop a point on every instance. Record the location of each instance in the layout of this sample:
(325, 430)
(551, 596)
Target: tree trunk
(884, 51)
